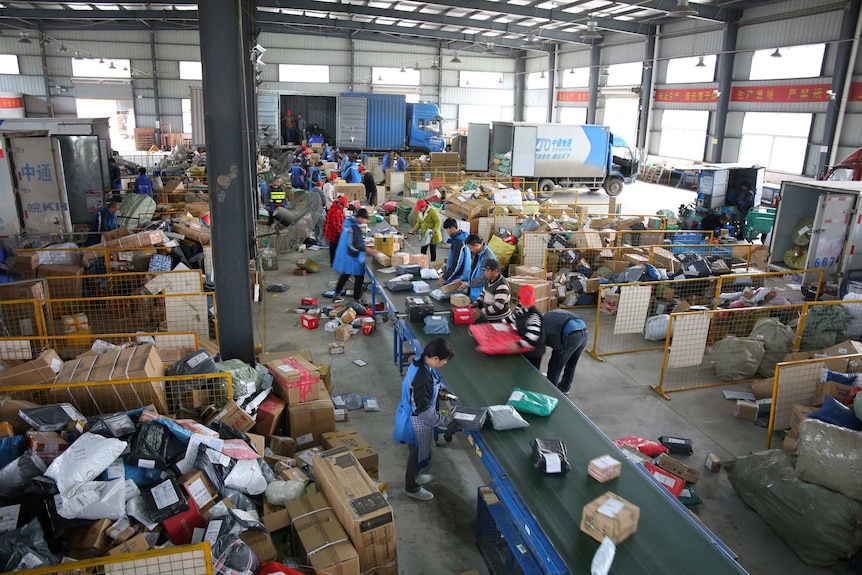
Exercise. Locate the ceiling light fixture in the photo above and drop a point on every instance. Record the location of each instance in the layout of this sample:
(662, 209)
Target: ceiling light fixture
(700, 62)
(434, 65)
(416, 67)
(531, 43)
(455, 60)
(77, 55)
(572, 71)
(542, 77)
(112, 67)
(63, 48)
(380, 77)
(500, 81)
(101, 60)
(776, 54)
(591, 33)
(25, 38)
(489, 49)
(402, 69)
(682, 9)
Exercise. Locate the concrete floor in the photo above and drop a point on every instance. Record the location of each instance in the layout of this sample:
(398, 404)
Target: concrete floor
(437, 537)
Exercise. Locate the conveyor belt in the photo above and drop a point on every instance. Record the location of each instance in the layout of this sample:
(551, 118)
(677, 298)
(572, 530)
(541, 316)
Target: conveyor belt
(668, 540)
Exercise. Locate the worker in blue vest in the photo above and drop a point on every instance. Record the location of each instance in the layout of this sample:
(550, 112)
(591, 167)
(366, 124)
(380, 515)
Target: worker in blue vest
(315, 176)
(566, 334)
(143, 185)
(471, 261)
(418, 413)
(343, 164)
(386, 163)
(400, 163)
(105, 221)
(328, 155)
(351, 175)
(297, 175)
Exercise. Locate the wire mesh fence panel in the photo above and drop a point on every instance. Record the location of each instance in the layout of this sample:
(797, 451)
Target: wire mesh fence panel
(621, 222)
(825, 324)
(532, 247)
(182, 560)
(184, 396)
(795, 384)
(654, 237)
(726, 346)
(749, 289)
(22, 328)
(69, 346)
(124, 284)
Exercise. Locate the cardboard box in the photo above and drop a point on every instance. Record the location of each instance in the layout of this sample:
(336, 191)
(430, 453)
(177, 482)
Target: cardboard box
(90, 541)
(616, 266)
(610, 516)
(9, 412)
(847, 347)
(343, 333)
(459, 300)
(232, 415)
(283, 446)
(541, 287)
(836, 390)
(43, 369)
(275, 518)
(712, 463)
(604, 468)
(763, 388)
(420, 260)
(663, 258)
(797, 416)
(326, 376)
(199, 489)
(24, 290)
(47, 444)
(588, 239)
(269, 419)
(387, 244)
(635, 259)
(789, 444)
(360, 507)
(71, 286)
(745, 410)
(136, 544)
(261, 543)
(294, 379)
(335, 348)
(350, 438)
(678, 468)
(317, 528)
(310, 420)
(353, 192)
(532, 271)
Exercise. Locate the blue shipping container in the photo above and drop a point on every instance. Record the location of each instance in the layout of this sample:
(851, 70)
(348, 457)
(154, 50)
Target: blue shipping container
(385, 120)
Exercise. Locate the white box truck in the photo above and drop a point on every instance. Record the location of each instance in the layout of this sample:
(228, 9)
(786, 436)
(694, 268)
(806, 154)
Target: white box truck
(553, 154)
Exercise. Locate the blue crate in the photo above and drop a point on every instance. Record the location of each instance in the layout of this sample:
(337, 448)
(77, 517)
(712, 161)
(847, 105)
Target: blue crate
(160, 263)
(504, 550)
(701, 248)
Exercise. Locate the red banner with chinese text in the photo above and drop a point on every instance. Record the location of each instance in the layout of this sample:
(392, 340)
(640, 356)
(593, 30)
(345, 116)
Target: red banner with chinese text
(573, 96)
(11, 103)
(686, 95)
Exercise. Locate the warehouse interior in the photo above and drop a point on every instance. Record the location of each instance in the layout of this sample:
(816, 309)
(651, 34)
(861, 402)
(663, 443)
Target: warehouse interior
(712, 466)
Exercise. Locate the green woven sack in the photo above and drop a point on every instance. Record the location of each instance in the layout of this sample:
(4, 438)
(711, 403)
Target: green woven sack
(532, 402)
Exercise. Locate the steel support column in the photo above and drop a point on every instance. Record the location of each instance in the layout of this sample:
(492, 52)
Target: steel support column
(595, 64)
(552, 81)
(439, 72)
(44, 62)
(352, 63)
(156, 87)
(226, 40)
(841, 76)
(520, 84)
(646, 89)
(715, 145)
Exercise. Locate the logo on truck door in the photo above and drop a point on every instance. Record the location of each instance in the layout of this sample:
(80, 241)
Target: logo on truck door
(553, 148)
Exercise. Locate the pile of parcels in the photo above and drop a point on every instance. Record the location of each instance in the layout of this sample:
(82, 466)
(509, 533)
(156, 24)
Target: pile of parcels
(343, 321)
(810, 491)
(262, 477)
(138, 251)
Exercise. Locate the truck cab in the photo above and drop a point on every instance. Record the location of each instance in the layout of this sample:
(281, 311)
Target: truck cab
(624, 165)
(847, 170)
(424, 128)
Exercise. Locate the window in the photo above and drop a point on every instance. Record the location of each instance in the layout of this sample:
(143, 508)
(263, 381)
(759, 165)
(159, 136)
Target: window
(621, 115)
(187, 115)
(480, 79)
(686, 70)
(394, 76)
(625, 74)
(478, 115)
(9, 64)
(306, 73)
(775, 140)
(575, 116)
(100, 68)
(537, 81)
(795, 62)
(576, 78)
(537, 114)
(190, 71)
(683, 134)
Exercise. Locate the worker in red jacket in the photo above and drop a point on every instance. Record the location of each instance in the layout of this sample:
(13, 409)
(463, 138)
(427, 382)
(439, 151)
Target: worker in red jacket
(334, 224)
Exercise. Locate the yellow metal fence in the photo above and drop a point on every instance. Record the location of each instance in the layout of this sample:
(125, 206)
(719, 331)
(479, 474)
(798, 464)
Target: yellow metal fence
(183, 560)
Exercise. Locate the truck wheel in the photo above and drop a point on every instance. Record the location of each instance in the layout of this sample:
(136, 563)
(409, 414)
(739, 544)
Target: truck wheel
(546, 186)
(614, 186)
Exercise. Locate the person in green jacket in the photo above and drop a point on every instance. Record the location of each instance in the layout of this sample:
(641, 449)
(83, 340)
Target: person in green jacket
(427, 223)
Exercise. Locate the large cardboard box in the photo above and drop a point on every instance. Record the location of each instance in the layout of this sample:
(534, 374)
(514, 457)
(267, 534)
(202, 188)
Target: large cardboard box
(43, 369)
(610, 516)
(294, 379)
(9, 412)
(360, 507)
(351, 439)
(532, 271)
(71, 286)
(90, 541)
(587, 239)
(836, 390)
(666, 259)
(23, 290)
(353, 192)
(678, 468)
(848, 347)
(317, 529)
(233, 415)
(270, 417)
(261, 543)
(387, 244)
(797, 416)
(308, 421)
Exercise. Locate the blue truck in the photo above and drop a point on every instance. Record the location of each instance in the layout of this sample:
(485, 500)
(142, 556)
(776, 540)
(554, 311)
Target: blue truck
(382, 122)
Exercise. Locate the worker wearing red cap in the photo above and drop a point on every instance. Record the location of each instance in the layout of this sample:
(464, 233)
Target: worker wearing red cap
(527, 320)
(334, 224)
(427, 226)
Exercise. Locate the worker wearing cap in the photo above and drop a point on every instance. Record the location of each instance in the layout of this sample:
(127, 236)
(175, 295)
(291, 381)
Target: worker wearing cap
(427, 225)
(329, 189)
(471, 261)
(566, 334)
(527, 320)
(333, 225)
(494, 304)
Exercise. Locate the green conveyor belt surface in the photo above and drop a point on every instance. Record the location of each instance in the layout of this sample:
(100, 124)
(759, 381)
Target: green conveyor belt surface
(665, 541)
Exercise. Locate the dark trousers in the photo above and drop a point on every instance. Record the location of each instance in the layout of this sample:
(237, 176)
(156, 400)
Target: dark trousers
(333, 246)
(412, 469)
(535, 361)
(424, 250)
(357, 285)
(371, 197)
(564, 360)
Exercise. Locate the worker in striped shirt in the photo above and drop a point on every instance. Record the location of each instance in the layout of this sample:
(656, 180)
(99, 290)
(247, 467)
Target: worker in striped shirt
(527, 320)
(495, 301)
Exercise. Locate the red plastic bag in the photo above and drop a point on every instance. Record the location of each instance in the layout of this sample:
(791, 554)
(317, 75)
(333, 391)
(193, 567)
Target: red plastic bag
(645, 446)
(273, 568)
(497, 339)
(389, 207)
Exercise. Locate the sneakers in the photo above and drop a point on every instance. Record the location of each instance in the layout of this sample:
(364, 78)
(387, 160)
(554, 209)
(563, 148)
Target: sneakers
(424, 479)
(337, 299)
(422, 495)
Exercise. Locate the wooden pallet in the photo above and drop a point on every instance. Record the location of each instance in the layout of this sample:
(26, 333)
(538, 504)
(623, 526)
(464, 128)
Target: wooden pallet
(653, 174)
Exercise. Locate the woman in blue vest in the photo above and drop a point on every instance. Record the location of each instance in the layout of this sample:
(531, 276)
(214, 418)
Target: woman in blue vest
(350, 256)
(315, 176)
(471, 261)
(297, 175)
(418, 413)
(352, 175)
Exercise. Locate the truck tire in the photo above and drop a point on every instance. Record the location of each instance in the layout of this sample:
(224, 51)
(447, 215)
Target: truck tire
(614, 186)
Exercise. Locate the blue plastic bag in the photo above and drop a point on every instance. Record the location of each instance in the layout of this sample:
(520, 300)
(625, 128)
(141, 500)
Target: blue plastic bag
(436, 325)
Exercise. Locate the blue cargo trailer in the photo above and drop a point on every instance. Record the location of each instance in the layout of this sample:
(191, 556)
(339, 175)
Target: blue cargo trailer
(382, 122)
